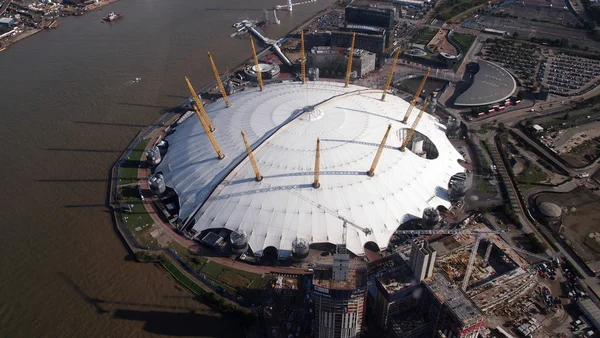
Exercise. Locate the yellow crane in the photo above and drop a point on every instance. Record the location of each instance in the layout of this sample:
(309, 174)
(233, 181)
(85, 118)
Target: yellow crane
(371, 171)
(302, 61)
(218, 77)
(390, 77)
(251, 157)
(203, 113)
(410, 133)
(349, 68)
(414, 101)
(211, 138)
(258, 72)
(316, 183)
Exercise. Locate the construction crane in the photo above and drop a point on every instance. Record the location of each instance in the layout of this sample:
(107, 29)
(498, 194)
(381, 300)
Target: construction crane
(316, 182)
(258, 71)
(251, 157)
(302, 60)
(391, 76)
(211, 138)
(416, 97)
(411, 132)
(200, 105)
(349, 67)
(366, 231)
(371, 171)
(477, 232)
(219, 83)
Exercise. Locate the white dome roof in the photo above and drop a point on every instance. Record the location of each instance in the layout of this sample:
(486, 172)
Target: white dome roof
(284, 206)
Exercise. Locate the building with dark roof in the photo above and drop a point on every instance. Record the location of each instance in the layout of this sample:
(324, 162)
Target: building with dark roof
(372, 16)
(487, 84)
(371, 39)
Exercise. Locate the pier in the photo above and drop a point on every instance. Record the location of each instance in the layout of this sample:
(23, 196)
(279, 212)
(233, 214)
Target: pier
(270, 42)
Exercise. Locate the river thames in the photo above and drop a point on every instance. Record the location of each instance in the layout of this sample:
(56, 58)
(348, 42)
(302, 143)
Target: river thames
(69, 108)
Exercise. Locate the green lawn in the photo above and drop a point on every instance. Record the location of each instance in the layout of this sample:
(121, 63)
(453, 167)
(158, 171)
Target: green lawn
(424, 35)
(129, 169)
(451, 8)
(532, 175)
(220, 273)
(464, 40)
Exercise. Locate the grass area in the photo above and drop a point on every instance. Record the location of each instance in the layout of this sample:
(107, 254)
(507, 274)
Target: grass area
(234, 279)
(451, 8)
(129, 169)
(424, 35)
(224, 275)
(482, 185)
(464, 41)
(532, 175)
(188, 283)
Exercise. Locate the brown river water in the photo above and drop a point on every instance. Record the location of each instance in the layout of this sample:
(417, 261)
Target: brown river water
(68, 108)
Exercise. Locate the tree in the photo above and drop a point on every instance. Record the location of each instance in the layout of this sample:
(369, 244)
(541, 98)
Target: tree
(516, 35)
(528, 122)
(566, 116)
(520, 94)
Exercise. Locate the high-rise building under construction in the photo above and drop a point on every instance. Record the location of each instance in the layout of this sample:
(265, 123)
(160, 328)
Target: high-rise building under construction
(422, 259)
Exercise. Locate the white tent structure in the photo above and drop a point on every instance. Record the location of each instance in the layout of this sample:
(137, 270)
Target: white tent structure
(282, 132)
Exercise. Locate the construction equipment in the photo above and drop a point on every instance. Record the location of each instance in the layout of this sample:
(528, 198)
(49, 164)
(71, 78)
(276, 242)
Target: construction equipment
(371, 171)
(211, 138)
(316, 182)
(200, 105)
(366, 231)
(416, 97)
(219, 83)
(251, 157)
(258, 71)
(391, 76)
(302, 58)
(349, 67)
(411, 132)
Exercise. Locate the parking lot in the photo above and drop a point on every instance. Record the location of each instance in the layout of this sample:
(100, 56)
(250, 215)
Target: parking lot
(552, 11)
(528, 29)
(521, 58)
(566, 74)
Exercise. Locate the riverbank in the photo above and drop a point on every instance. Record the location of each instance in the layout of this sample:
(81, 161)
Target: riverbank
(136, 241)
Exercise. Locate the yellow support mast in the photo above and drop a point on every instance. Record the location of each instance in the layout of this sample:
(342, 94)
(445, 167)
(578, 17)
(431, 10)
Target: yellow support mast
(316, 183)
(258, 72)
(218, 78)
(390, 77)
(414, 101)
(203, 113)
(411, 132)
(211, 138)
(371, 171)
(302, 56)
(349, 67)
(251, 157)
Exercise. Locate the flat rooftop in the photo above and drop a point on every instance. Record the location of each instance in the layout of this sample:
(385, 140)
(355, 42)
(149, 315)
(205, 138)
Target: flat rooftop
(453, 297)
(398, 279)
(357, 278)
(490, 84)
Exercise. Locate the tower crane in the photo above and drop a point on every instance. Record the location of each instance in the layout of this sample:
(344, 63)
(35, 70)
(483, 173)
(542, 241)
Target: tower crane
(414, 101)
(410, 133)
(349, 67)
(450, 232)
(345, 221)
